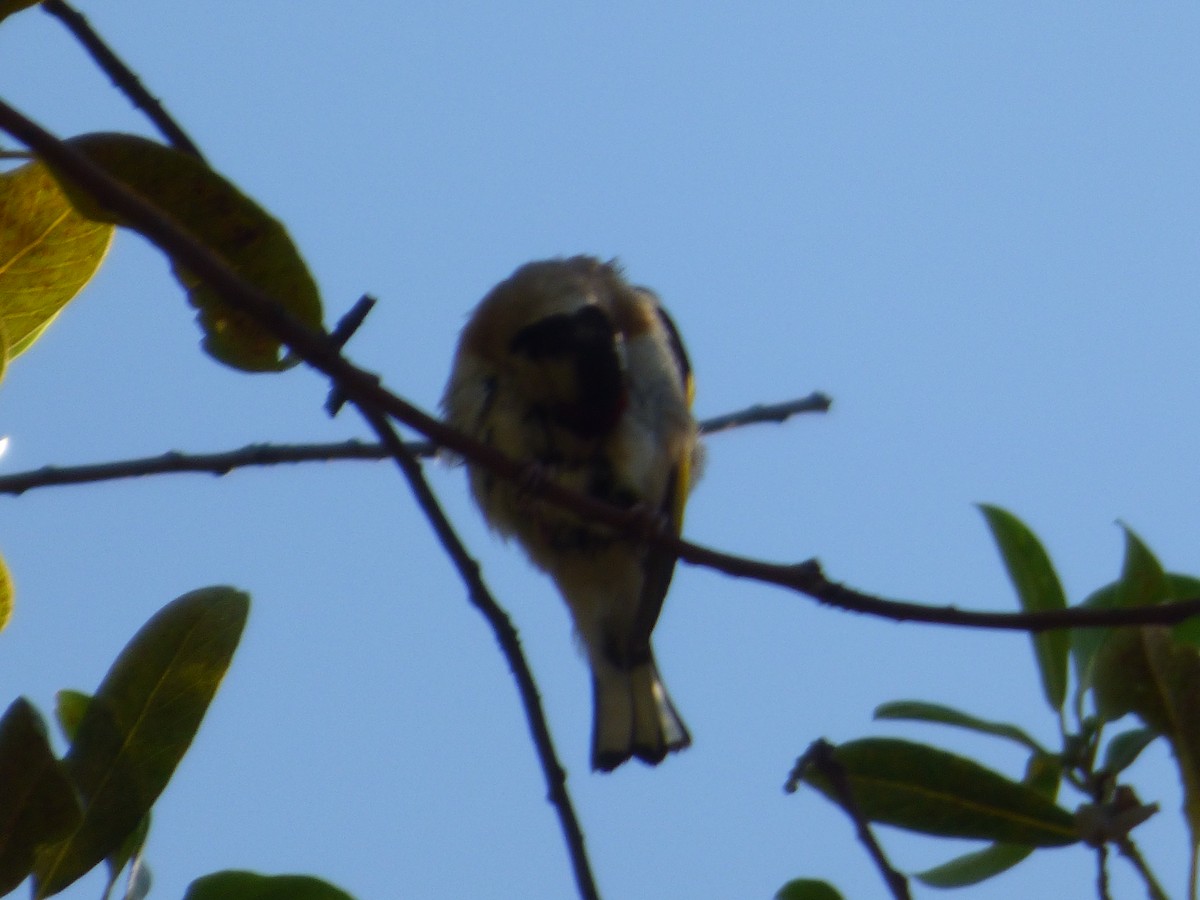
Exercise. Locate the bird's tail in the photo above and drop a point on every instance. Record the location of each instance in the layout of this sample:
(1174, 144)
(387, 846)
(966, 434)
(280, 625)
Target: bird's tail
(634, 717)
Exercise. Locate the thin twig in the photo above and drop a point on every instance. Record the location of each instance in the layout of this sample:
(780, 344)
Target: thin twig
(808, 578)
(346, 327)
(1128, 849)
(820, 756)
(121, 75)
(257, 455)
(1102, 891)
(363, 387)
(510, 644)
(776, 412)
(323, 347)
(209, 463)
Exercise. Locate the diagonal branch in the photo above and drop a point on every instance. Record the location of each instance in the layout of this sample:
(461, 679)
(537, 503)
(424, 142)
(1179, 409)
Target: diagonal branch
(468, 569)
(506, 635)
(364, 388)
(211, 463)
(774, 412)
(255, 455)
(820, 756)
(121, 75)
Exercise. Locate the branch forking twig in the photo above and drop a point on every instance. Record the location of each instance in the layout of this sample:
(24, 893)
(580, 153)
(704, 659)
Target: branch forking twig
(363, 387)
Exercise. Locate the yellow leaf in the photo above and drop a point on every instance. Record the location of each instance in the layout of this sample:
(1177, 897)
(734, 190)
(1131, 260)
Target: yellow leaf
(48, 252)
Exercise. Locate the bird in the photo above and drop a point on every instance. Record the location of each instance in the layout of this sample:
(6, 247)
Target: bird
(568, 367)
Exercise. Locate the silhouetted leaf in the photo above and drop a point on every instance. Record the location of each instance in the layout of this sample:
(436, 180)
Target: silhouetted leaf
(1186, 587)
(37, 802)
(919, 711)
(140, 722)
(252, 886)
(221, 217)
(69, 707)
(1142, 583)
(48, 252)
(1038, 589)
(972, 868)
(925, 789)
(807, 889)
(1123, 749)
(1043, 773)
(1147, 672)
(1113, 661)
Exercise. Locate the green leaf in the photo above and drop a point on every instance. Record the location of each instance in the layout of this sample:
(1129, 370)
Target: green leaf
(1145, 672)
(919, 711)
(1085, 641)
(1043, 773)
(1038, 589)
(252, 886)
(226, 221)
(69, 707)
(48, 252)
(139, 724)
(1185, 587)
(1143, 582)
(922, 788)
(807, 889)
(1123, 749)
(37, 803)
(972, 868)
(8, 7)
(1143, 579)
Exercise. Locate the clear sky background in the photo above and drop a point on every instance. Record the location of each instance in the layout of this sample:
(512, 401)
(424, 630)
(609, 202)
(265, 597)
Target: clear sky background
(975, 225)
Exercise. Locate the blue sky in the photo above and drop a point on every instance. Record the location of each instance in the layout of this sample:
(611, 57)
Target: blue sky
(974, 225)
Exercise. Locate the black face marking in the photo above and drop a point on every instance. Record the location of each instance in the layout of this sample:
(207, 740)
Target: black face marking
(586, 341)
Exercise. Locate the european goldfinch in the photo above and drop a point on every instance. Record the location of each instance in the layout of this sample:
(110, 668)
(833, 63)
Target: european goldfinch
(568, 366)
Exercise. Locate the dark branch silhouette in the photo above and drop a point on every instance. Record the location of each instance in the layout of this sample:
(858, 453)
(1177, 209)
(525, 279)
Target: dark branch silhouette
(506, 636)
(257, 455)
(775, 412)
(121, 75)
(481, 598)
(820, 756)
(364, 388)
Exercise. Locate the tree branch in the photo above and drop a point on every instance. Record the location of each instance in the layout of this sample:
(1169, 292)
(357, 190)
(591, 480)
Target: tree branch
(775, 412)
(327, 347)
(254, 455)
(1128, 849)
(364, 388)
(211, 463)
(820, 756)
(506, 636)
(121, 75)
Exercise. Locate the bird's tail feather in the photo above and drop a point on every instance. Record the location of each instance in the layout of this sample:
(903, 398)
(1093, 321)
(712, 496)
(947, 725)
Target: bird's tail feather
(634, 717)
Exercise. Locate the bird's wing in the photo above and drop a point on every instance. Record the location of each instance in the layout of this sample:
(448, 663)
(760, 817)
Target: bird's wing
(659, 565)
